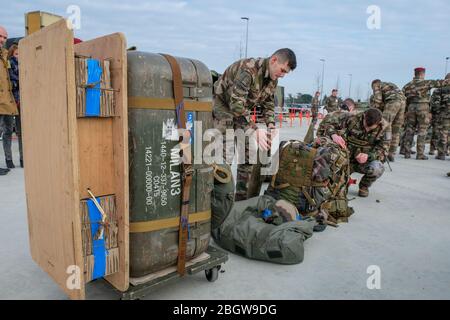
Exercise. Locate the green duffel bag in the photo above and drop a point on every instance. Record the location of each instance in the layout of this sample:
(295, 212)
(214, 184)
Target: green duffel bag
(247, 233)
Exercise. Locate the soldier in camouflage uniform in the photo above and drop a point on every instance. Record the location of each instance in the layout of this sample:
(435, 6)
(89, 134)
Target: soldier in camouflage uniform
(443, 120)
(348, 106)
(365, 135)
(332, 103)
(390, 100)
(417, 116)
(315, 107)
(434, 108)
(245, 84)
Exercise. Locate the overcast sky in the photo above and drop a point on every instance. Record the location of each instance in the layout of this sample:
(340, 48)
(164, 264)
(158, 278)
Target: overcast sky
(411, 34)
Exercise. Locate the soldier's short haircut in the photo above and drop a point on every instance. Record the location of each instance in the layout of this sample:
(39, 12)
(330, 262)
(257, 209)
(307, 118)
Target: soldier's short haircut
(349, 101)
(372, 116)
(447, 76)
(287, 54)
(334, 90)
(375, 81)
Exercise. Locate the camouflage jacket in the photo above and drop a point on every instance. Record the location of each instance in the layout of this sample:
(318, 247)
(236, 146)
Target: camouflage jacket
(440, 102)
(332, 104)
(418, 90)
(435, 102)
(385, 93)
(244, 85)
(350, 126)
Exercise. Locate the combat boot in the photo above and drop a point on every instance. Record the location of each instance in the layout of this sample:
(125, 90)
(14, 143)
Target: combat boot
(407, 155)
(440, 156)
(363, 191)
(413, 152)
(391, 157)
(10, 164)
(431, 153)
(421, 157)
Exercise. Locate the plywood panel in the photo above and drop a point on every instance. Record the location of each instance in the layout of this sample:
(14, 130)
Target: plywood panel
(49, 131)
(95, 146)
(113, 47)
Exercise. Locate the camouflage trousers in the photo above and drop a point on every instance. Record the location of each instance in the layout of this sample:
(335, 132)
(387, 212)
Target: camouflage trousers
(417, 118)
(371, 170)
(394, 113)
(248, 178)
(443, 129)
(434, 132)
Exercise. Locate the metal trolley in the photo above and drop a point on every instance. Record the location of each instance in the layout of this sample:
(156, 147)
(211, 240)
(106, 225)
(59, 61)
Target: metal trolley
(211, 266)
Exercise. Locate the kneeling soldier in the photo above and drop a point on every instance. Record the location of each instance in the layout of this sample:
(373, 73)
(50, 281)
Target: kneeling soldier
(367, 136)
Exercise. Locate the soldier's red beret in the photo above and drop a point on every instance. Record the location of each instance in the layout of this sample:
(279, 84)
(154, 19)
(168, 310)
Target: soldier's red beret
(419, 69)
(77, 40)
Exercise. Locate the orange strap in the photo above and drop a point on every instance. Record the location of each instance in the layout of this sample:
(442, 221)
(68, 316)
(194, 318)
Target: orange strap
(186, 169)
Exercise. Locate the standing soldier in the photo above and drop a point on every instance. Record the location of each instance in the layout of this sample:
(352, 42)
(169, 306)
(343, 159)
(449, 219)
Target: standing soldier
(365, 135)
(332, 103)
(391, 101)
(443, 120)
(417, 116)
(435, 104)
(245, 84)
(315, 107)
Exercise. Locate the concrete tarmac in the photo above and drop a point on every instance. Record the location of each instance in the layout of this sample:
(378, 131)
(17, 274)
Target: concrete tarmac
(401, 230)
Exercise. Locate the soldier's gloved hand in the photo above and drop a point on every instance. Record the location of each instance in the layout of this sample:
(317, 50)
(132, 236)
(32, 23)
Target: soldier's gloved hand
(339, 140)
(362, 158)
(262, 139)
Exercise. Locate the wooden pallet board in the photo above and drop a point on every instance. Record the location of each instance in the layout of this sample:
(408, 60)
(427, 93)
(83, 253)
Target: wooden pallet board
(95, 149)
(47, 81)
(65, 156)
(113, 48)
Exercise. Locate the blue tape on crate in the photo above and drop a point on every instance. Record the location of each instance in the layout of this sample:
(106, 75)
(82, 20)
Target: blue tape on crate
(98, 246)
(190, 125)
(94, 75)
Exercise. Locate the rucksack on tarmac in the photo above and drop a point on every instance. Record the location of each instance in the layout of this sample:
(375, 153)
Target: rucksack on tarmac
(314, 177)
(263, 228)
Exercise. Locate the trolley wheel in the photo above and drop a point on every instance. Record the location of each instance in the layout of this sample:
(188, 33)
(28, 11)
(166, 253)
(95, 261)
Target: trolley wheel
(212, 274)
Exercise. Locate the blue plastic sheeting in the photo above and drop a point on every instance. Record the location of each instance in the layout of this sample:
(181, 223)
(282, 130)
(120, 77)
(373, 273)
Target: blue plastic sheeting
(94, 75)
(98, 246)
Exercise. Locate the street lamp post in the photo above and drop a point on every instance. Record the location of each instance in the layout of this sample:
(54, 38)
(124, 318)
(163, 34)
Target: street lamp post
(350, 86)
(246, 35)
(446, 61)
(321, 86)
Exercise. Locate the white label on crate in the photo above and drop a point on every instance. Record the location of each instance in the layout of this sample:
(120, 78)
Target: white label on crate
(169, 130)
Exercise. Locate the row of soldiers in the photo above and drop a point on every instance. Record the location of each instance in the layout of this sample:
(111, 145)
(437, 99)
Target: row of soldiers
(409, 109)
(371, 136)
